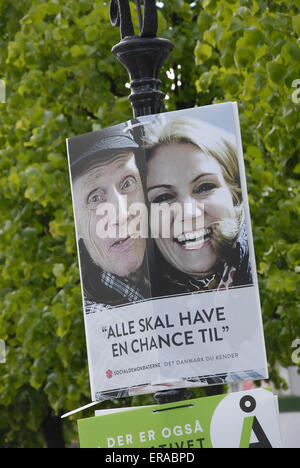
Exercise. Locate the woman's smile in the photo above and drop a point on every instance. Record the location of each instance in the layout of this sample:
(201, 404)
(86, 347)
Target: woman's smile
(193, 240)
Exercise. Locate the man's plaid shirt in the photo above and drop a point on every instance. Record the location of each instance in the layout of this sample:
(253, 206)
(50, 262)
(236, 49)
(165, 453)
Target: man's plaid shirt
(129, 292)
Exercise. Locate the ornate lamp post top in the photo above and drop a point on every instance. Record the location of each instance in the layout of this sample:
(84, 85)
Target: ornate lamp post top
(120, 15)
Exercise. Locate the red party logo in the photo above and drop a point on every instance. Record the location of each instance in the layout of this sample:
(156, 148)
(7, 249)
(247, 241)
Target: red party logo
(109, 374)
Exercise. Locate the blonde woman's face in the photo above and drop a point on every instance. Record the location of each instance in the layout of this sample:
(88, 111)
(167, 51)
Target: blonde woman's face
(182, 174)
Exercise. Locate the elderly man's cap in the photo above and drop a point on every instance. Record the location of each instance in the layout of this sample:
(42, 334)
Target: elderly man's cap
(89, 148)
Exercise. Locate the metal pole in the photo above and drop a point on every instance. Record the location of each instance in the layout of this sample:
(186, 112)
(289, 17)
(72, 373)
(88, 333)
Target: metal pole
(143, 56)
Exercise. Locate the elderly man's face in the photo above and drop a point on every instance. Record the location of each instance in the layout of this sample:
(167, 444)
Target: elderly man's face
(118, 184)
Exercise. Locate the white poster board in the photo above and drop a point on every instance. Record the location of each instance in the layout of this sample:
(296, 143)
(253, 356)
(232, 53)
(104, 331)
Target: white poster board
(167, 263)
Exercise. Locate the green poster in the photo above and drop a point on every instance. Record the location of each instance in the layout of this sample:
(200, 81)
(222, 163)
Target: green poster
(239, 420)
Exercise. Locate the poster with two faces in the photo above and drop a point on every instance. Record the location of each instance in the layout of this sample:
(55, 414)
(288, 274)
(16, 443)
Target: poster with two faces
(166, 257)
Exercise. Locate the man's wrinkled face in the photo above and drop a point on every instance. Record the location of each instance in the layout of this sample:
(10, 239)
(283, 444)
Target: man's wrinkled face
(117, 184)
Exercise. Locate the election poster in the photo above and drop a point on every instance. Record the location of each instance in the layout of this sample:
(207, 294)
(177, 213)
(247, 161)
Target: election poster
(239, 420)
(166, 255)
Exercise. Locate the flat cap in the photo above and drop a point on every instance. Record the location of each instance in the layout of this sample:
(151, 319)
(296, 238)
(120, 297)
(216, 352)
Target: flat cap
(86, 149)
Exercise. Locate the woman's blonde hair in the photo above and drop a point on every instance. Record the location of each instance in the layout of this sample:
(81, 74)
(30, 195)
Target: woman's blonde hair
(211, 140)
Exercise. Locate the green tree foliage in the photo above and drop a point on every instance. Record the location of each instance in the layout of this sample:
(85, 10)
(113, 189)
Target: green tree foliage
(61, 80)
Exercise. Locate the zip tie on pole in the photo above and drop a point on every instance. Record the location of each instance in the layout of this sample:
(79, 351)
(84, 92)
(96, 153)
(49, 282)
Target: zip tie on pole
(80, 409)
(139, 124)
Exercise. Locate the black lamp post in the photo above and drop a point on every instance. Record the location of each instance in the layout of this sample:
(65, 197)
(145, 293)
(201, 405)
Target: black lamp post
(143, 56)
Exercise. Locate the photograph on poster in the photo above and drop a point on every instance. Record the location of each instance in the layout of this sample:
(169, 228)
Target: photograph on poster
(196, 165)
(166, 253)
